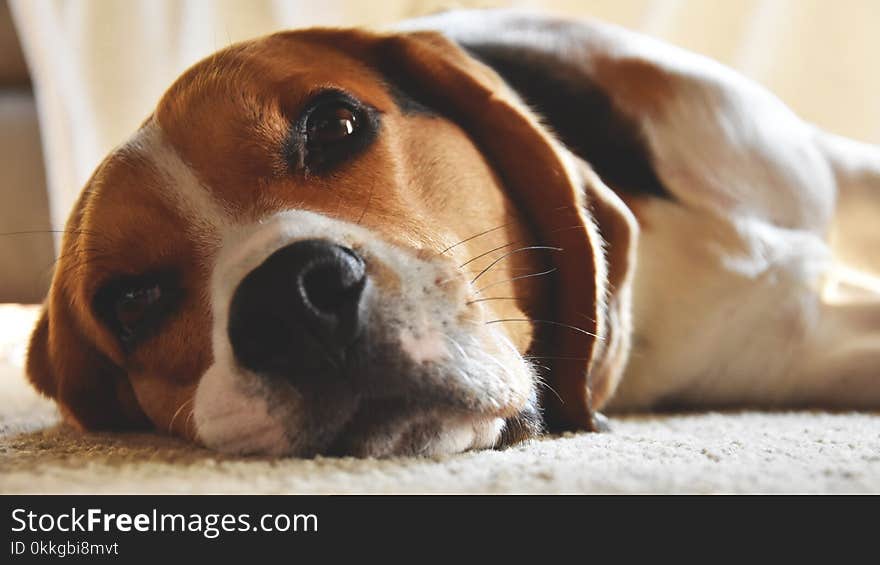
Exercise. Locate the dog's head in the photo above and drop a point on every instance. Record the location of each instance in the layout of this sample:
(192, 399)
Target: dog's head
(331, 241)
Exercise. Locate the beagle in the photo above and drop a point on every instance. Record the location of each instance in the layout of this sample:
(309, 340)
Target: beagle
(456, 235)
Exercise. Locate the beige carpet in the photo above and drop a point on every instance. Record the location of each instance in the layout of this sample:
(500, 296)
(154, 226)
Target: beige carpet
(702, 453)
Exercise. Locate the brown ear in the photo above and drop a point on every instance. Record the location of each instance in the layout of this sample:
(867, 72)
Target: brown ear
(553, 190)
(91, 391)
(619, 230)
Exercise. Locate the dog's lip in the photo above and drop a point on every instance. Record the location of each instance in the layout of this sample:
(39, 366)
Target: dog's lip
(373, 414)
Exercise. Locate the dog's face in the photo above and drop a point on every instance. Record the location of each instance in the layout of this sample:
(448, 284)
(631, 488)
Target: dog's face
(300, 252)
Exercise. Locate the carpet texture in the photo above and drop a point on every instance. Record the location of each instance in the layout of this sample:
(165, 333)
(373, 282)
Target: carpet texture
(742, 452)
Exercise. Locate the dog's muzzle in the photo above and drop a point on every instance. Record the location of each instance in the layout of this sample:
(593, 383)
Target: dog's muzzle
(297, 313)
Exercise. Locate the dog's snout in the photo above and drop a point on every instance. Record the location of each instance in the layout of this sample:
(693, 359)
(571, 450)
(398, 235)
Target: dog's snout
(296, 313)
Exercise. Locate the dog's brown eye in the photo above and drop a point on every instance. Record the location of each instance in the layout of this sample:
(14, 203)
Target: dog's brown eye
(134, 305)
(332, 129)
(331, 124)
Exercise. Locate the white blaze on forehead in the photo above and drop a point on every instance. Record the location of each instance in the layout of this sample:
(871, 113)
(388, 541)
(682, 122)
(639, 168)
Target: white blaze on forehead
(204, 217)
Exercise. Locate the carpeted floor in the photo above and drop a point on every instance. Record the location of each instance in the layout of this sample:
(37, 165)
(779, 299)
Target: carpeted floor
(699, 453)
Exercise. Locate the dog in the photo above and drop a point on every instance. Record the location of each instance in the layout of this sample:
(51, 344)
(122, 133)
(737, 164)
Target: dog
(456, 235)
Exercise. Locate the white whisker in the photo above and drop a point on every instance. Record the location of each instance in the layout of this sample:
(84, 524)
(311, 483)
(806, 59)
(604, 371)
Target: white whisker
(177, 413)
(488, 286)
(551, 322)
(474, 237)
(515, 251)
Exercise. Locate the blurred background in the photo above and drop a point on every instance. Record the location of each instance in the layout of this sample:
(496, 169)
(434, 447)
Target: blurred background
(78, 76)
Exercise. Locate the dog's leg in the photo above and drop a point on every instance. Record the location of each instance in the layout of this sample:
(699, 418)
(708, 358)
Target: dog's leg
(855, 236)
(841, 364)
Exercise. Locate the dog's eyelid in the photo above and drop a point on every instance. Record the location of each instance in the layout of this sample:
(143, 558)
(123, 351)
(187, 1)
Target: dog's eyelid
(326, 96)
(314, 156)
(159, 291)
(331, 93)
(122, 281)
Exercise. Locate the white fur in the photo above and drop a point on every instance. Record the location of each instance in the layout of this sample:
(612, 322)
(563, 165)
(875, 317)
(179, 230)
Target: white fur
(206, 221)
(730, 306)
(423, 347)
(230, 417)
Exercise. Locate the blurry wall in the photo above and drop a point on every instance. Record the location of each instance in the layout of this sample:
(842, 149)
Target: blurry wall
(26, 246)
(99, 66)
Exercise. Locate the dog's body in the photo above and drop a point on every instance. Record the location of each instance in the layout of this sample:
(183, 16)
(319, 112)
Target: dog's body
(735, 198)
(666, 245)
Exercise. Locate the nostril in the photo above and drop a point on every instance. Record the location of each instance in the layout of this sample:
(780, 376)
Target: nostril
(330, 284)
(330, 288)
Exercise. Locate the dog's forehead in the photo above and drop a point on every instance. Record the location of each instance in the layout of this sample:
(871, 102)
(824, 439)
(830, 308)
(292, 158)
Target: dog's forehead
(273, 70)
(230, 116)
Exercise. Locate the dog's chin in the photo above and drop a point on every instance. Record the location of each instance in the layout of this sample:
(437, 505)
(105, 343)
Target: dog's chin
(381, 429)
(387, 429)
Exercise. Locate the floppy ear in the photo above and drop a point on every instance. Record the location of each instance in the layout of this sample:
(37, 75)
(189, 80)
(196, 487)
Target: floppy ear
(619, 230)
(91, 391)
(557, 194)
(64, 364)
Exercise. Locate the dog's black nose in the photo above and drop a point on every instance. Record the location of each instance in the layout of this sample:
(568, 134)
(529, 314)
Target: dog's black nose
(296, 313)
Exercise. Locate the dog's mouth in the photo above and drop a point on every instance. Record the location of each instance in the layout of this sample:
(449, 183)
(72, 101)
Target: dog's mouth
(378, 401)
(268, 416)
